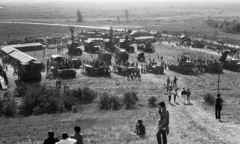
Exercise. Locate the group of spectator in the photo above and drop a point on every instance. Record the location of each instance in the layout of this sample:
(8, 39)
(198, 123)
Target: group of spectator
(77, 138)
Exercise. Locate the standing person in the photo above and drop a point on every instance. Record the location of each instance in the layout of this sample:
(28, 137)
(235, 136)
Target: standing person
(168, 82)
(175, 95)
(188, 96)
(175, 81)
(78, 136)
(218, 107)
(163, 127)
(164, 88)
(50, 139)
(66, 140)
(170, 93)
(184, 94)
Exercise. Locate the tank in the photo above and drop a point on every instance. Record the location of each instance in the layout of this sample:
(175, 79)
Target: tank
(97, 69)
(105, 56)
(232, 65)
(156, 68)
(215, 67)
(121, 56)
(184, 66)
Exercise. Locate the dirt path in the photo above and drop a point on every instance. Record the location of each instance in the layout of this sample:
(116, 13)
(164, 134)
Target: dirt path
(190, 124)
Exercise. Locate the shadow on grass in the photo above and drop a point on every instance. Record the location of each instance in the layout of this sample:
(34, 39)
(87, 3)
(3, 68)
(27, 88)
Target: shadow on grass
(171, 104)
(188, 104)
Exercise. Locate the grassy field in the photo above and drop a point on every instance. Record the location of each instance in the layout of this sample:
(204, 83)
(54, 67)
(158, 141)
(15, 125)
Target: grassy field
(114, 127)
(189, 124)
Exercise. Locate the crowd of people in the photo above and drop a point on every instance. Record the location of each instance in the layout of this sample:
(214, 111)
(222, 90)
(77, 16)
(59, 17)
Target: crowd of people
(77, 138)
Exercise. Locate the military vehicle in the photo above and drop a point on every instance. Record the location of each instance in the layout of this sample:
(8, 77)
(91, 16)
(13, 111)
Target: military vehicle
(59, 69)
(156, 68)
(110, 45)
(233, 65)
(124, 68)
(27, 67)
(105, 56)
(73, 45)
(145, 43)
(97, 68)
(184, 66)
(91, 46)
(29, 70)
(122, 56)
(197, 44)
(126, 44)
(215, 67)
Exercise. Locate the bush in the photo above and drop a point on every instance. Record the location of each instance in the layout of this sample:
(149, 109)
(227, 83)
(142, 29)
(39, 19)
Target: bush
(105, 102)
(40, 99)
(77, 93)
(108, 102)
(7, 105)
(130, 99)
(152, 101)
(209, 99)
(88, 95)
(116, 103)
(20, 91)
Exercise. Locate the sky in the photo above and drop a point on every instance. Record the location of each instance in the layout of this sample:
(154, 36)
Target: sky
(116, 1)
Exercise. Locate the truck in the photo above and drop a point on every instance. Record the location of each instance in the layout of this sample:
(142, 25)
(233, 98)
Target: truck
(91, 46)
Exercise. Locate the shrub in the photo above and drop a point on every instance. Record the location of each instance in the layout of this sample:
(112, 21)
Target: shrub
(40, 99)
(88, 95)
(7, 105)
(109, 102)
(20, 91)
(130, 99)
(209, 99)
(105, 102)
(116, 103)
(77, 93)
(68, 100)
(152, 101)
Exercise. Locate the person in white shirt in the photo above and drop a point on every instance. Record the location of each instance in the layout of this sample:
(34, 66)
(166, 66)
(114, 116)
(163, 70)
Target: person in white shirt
(66, 140)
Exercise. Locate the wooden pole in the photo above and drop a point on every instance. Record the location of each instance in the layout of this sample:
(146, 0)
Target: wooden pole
(218, 80)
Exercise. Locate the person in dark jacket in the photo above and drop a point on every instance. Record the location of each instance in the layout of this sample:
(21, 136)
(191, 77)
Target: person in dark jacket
(218, 107)
(78, 136)
(50, 139)
(163, 127)
(140, 128)
(184, 95)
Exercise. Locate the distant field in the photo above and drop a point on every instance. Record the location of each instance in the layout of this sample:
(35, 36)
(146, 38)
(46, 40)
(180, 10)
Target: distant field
(158, 16)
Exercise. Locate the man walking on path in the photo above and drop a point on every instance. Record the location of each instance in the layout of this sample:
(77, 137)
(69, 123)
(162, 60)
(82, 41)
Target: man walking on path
(163, 127)
(184, 94)
(188, 96)
(168, 82)
(175, 81)
(218, 107)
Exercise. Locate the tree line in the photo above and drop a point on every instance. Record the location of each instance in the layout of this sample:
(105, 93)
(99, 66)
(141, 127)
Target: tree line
(80, 16)
(228, 26)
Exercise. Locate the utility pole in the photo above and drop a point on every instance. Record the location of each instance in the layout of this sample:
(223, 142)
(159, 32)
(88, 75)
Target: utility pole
(218, 80)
